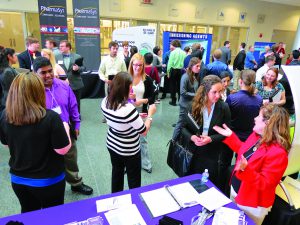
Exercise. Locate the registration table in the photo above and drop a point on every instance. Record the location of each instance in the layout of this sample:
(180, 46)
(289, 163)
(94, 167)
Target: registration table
(84, 209)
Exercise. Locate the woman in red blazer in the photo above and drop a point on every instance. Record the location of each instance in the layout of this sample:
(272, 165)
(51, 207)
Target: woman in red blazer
(262, 160)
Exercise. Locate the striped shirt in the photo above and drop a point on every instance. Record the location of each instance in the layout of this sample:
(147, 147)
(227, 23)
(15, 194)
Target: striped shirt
(125, 125)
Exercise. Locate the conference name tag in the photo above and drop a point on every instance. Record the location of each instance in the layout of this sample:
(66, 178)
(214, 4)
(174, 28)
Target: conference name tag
(60, 62)
(57, 110)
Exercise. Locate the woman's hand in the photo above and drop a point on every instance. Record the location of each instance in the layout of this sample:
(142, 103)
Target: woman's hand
(242, 164)
(201, 141)
(225, 132)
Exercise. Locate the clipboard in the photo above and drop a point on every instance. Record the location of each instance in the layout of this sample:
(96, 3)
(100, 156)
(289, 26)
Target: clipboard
(193, 124)
(79, 61)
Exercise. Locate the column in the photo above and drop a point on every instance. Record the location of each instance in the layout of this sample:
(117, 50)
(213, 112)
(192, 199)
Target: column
(297, 38)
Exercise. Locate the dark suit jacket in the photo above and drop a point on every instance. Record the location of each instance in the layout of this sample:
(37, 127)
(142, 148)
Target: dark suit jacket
(74, 77)
(26, 60)
(221, 114)
(239, 61)
(6, 78)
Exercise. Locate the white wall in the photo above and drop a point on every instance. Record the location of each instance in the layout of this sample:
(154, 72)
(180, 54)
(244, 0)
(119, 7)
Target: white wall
(278, 16)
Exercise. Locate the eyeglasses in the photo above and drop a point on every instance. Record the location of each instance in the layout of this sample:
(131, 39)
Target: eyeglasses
(43, 73)
(137, 65)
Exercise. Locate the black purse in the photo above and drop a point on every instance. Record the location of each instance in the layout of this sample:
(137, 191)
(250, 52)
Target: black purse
(179, 158)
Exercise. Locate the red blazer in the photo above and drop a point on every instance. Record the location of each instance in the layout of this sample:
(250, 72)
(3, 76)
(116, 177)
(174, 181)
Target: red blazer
(263, 172)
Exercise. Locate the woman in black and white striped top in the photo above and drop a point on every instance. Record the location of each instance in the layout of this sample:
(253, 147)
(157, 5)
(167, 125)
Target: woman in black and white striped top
(125, 126)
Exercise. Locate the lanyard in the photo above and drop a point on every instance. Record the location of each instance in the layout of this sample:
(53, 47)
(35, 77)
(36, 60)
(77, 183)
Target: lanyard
(53, 98)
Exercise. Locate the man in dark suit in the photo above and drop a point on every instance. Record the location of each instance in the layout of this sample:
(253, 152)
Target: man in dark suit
(27, 57)
(238, 65)
(67, 60)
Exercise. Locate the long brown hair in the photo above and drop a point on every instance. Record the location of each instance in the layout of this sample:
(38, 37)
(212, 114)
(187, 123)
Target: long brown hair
(277, 128)
(139, 57)
(248, 78)
(189, 71)
(26, 101)
(119, 91)
(275, 82)
(200, 98)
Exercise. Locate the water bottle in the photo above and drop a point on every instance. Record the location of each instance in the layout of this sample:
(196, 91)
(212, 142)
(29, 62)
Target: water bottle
(205, 176)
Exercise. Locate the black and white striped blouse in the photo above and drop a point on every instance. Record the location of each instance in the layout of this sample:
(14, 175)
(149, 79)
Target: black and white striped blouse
(125, 127)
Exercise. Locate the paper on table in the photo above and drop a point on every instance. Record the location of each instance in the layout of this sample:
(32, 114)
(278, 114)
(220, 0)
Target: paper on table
(212, 199)
(227, 216)
(113, 203)
(128, 215)
(160, 202)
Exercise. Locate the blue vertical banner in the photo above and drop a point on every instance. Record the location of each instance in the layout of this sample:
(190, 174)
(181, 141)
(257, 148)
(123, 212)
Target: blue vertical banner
(53, 20)
(87, 31)
(259, 47)
(188, 39)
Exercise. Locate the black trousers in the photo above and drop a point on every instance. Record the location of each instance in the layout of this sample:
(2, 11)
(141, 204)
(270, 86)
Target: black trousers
(34, 198)
(175, 76)
(77, 94)
(166, 88)
(133, 170)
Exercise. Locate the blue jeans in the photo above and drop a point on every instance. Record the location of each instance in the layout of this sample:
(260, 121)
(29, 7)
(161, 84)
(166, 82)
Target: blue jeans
(146, 163)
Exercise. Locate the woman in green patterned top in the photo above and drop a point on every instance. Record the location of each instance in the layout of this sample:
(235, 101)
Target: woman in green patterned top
(270, 89)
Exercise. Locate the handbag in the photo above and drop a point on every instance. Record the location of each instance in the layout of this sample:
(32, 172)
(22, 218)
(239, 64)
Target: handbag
(179, 158)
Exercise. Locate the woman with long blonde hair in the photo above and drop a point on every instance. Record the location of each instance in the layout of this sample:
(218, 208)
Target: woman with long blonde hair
(57, 69)
(207, 110)
(261, 162)
(143, 94)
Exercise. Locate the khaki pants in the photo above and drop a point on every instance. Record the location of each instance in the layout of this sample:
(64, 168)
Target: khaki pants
(71, 165)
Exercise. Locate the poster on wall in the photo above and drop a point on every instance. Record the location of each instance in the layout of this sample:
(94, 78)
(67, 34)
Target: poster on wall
(259, 47)
(53, 20)
(143, 37)
(87, 32)
(188, 39)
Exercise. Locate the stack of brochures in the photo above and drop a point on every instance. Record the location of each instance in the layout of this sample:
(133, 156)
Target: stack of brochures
(128, 215)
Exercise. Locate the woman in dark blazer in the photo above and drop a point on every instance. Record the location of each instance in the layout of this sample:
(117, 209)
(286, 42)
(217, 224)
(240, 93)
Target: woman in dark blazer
(7, 72)
(207, 110)
(188, 87)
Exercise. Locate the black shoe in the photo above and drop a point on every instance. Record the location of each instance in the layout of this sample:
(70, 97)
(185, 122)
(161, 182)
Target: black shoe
(172, 103)
(148, 170)
(163, 96)
(82, 189)
(174, 125)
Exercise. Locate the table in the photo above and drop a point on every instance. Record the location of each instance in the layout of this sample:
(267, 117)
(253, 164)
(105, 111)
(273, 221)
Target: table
(81, 210)
(93, 86)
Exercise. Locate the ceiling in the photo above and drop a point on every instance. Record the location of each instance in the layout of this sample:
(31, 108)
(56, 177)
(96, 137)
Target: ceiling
(285, 2)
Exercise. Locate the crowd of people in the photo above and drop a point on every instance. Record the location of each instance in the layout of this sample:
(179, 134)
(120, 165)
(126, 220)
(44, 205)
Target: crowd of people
(251, 117)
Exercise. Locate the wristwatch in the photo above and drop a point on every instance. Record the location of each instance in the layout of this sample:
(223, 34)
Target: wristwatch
(149, 118)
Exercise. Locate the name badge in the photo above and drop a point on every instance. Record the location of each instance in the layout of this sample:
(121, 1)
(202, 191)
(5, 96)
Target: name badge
(31, 67)
(60, 62)
(57, 110)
